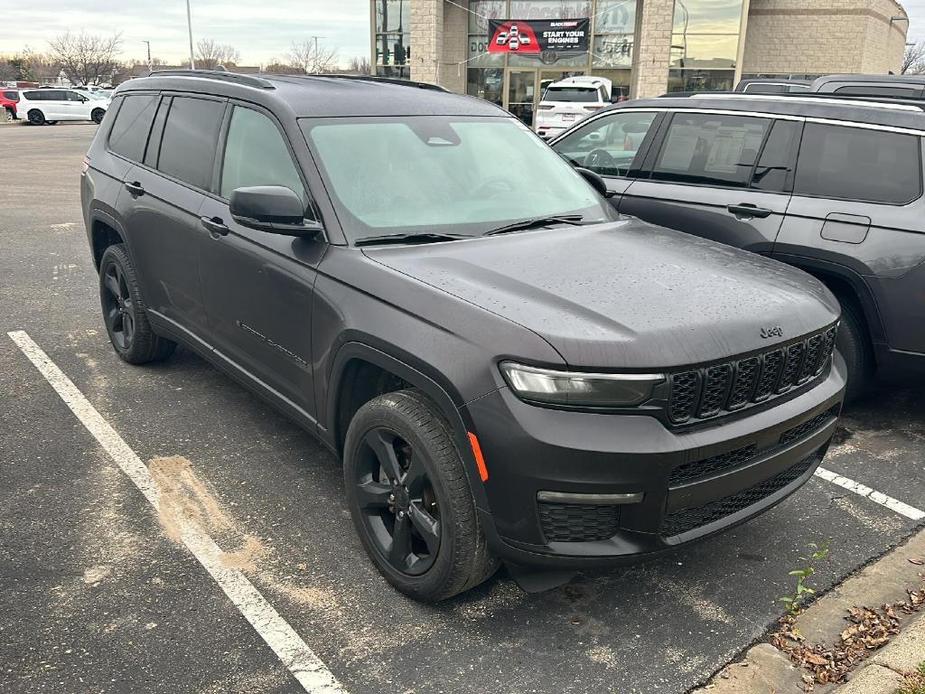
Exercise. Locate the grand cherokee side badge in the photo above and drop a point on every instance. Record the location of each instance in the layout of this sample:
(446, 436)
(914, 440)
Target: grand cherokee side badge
(773, 331)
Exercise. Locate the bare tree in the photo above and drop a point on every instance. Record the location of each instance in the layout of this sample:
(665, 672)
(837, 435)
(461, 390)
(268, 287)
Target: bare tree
(210, 54)
(86, 58)
(360, 65)
(308, 57)
(276, 67)
(913, 59)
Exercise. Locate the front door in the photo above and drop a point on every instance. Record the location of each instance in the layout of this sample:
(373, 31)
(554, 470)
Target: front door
(258, 286)
(725, 177)
(520, 94)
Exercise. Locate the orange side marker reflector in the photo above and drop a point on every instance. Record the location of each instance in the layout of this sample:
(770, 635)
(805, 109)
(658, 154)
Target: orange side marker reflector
(479, 458)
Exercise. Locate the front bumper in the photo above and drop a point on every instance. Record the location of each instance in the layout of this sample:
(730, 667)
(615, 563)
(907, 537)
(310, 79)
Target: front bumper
(661, 488)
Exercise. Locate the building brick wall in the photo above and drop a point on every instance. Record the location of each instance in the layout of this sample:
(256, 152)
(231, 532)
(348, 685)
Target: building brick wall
(426, 39)
(651, 52)
(815, 37)
(455, 46)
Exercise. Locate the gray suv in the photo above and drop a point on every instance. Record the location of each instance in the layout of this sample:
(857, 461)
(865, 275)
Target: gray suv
(508, 369)
(832, 186)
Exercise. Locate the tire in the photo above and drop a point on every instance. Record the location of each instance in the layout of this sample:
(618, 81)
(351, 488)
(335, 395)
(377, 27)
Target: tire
(97, 115)
(406, 429)
(124, 311)
(10, 115)
(51, 122)
(36, 117)
(855, 348)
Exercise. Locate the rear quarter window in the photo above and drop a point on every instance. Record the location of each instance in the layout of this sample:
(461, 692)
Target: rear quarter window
(129, 133)
(861, 164)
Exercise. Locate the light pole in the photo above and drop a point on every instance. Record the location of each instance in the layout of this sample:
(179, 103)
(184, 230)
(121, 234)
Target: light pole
(150, 66)
(315, 57)
(189, 24)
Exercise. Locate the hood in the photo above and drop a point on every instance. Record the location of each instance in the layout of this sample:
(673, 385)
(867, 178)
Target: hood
(625, 294)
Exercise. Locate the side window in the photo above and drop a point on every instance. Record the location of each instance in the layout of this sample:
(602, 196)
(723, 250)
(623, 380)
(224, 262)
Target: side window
(775, 164)
(129, 133)
(897, 91)
(710, 149)
(72, 96)
(859, 164)
(54, 95)
(609, 145)
(33, 96)
(256, 155)
(189, 140)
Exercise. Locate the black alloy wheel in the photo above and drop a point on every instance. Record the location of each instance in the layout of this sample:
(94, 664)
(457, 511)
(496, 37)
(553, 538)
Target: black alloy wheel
(118, 307)
(397, 501)
(36, 117)
(97, 115)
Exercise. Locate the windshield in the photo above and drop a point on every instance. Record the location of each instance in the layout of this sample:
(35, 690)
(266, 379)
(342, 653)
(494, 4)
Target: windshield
(571, 94)
(444, 174)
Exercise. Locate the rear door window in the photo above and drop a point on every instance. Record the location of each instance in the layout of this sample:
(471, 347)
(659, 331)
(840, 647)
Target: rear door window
(190, 139)
(609, 145)
(713, 150)
(129, 133)
(849, 163)
(775, 166)
(34, 96)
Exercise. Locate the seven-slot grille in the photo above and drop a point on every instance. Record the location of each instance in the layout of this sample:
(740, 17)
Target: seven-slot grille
(711, 391)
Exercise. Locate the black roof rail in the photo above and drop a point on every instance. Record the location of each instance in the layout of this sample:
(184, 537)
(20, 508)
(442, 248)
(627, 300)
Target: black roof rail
(371, 78)
(836, 96)
(235, 77)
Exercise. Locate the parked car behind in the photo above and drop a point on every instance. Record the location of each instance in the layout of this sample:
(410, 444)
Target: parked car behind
(41, 106)
(567, 101)
(888, 86)
(506, 369)
(768, 85)
(828, 185)
(8, 99)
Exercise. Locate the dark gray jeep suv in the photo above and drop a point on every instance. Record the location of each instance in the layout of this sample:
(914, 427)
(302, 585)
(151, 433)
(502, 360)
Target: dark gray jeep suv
(832, 186)
(508, 369)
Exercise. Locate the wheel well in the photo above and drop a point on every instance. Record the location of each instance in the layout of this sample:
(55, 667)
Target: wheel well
(103, 237)
(846, 294)
(360, 383)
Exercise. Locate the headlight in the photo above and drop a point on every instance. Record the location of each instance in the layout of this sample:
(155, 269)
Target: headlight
(577, 389)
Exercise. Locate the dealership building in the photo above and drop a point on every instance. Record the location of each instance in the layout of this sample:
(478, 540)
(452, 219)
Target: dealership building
(646, 47)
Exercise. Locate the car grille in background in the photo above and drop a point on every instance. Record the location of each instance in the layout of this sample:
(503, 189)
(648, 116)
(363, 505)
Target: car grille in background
(691, 518)
(700, 394)
(578, 522)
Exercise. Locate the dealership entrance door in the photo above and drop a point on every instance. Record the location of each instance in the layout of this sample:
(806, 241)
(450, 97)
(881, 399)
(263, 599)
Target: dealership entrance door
(523, 89)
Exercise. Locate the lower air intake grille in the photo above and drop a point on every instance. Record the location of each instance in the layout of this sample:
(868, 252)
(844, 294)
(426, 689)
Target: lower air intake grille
(693, 518)
(578, 522)
(724, 462)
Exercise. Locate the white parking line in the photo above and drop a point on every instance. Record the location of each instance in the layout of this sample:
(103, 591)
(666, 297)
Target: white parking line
(301, 661)
(889, 502)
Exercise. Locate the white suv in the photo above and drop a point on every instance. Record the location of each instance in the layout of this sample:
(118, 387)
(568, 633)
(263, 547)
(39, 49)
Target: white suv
(566, 102)
(40, 106)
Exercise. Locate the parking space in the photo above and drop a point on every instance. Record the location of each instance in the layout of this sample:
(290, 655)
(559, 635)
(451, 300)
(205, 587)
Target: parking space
(97, 594)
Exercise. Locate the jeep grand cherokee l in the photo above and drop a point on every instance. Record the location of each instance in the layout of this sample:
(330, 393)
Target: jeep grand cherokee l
(508, 369)
(833, 186)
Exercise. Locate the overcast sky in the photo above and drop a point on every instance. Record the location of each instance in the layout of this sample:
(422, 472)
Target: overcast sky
(261, 30)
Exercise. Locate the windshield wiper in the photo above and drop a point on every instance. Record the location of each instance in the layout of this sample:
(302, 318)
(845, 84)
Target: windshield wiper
(524, 224)
(425, 237)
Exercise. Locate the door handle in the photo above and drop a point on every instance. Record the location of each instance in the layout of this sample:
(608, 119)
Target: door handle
(135, 188)
(215, 226)
(746, 209)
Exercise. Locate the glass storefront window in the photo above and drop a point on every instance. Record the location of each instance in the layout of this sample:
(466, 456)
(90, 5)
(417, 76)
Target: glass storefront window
(700, 80)
(486, 84)
(393, 32)
(704, 52)
(707, 16)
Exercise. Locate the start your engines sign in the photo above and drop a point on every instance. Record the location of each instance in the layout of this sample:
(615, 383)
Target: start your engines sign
(535, 36)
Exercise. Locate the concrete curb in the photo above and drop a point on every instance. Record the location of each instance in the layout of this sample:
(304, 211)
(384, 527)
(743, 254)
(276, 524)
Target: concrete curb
(765, 669)
(883, 674)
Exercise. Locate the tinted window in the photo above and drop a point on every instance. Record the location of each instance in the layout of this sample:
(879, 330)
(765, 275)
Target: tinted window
(189, 140)
(13, 96)
(894, 91)
(608, 145)
(710, 150)
(53, 95)
(256, 155)
(774, 165)
(583, 94)
(858, 164)
(34, 96)
(133, 122)
(766, 88)
(73, 96)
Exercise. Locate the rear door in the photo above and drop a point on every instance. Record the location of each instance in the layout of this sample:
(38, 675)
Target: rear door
(612, 145)
(723, 176)
(53, 104)
(858, 204)
(160, 204)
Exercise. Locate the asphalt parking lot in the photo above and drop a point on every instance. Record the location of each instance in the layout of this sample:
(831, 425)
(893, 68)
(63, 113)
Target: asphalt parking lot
(97, 595)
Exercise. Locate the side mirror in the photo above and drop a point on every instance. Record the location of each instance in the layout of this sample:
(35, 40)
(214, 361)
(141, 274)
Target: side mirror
(274, 209)
(596, 181)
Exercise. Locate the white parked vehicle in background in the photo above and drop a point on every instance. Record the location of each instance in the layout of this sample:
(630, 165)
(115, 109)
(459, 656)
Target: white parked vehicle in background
(40, 106)
(567, 101)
